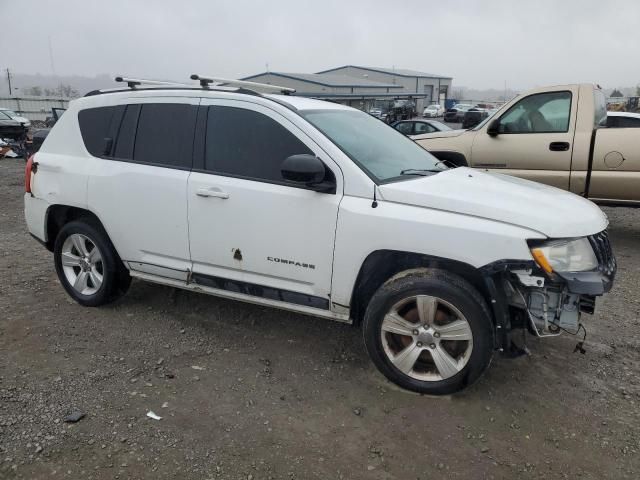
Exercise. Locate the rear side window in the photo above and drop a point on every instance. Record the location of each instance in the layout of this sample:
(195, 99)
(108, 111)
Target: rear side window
(164, 135)
(248, 144)
(95, 127)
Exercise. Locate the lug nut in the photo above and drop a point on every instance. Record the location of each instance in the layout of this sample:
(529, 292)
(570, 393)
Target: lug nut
(433, 345)
(419, 344)
(436, 334)
(415, 332)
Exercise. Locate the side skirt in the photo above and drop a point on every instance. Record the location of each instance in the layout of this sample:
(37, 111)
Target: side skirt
(244, 297)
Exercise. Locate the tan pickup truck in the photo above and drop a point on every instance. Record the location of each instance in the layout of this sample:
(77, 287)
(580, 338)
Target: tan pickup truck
(551, 135)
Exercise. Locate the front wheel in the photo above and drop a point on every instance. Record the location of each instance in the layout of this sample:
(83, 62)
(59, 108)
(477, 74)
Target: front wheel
(429, 332)
(87, 264)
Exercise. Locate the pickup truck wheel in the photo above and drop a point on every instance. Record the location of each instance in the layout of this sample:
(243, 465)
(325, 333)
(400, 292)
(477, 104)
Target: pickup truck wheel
(429, 332)
(88, 266)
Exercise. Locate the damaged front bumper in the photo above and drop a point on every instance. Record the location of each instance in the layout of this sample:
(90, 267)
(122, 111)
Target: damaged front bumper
(524, 296)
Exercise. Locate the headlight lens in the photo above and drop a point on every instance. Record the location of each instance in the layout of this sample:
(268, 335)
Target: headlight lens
(565, 256)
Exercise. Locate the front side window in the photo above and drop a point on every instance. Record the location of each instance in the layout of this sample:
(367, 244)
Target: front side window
(422, 127)
(382, 152)
(405, 127)
(539, 113)
(248, 144)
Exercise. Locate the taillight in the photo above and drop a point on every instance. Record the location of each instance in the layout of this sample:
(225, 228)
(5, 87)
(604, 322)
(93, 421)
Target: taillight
(27, 174)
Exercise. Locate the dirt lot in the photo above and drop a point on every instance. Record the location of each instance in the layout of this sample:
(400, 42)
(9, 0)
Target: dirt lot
(247, 392)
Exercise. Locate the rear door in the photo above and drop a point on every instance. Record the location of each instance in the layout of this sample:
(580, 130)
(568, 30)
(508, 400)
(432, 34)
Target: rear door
(250, 230)
(535, 139)
(138, 182)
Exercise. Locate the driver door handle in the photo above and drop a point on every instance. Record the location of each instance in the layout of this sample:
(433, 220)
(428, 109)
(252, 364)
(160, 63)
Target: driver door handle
(559, 146)
(212, 192)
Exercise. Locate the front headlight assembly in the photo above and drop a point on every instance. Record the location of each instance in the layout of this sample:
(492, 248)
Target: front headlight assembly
(565, 255)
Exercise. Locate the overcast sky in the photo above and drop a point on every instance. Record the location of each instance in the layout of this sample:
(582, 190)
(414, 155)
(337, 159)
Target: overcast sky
(481, 44)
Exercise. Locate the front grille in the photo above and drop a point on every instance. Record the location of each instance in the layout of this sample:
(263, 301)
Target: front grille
(604, 253)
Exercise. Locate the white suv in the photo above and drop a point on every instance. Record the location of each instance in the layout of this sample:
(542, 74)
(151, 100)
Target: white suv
(316, 208)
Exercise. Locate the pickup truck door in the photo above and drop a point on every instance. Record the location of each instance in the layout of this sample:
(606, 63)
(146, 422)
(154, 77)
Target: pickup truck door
(250, 231)
(534, 139)
(615, 174)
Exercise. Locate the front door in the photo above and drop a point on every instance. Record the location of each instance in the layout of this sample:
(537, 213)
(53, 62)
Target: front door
(251, 231)
(534, 140)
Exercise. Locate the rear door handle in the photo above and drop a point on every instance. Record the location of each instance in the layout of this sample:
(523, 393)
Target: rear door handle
(212, 192)
(559, 146)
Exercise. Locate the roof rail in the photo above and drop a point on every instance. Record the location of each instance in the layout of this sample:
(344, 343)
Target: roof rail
(206, 81)
(135, 82)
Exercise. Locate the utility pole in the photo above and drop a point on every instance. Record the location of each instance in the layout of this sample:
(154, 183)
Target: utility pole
(9, 80)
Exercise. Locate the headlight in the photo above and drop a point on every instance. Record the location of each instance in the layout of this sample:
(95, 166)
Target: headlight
(565, 256)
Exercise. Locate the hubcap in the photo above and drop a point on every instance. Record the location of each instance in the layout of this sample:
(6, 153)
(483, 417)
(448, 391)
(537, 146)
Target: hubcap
(426, 338)
(82, 264)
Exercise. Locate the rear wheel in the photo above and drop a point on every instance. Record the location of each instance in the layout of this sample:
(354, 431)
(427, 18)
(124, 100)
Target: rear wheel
(429, 332)
(87, 264)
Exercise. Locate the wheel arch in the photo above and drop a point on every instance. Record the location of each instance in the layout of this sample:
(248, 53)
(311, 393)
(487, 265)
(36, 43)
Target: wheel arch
(382, 265)
(58, 216)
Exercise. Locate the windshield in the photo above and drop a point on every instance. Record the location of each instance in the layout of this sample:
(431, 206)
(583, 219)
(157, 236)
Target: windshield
(4, 116)
(381, 151)
(432, 107)
(11, 113)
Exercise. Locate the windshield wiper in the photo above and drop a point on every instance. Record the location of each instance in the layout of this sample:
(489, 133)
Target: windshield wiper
(420, 171)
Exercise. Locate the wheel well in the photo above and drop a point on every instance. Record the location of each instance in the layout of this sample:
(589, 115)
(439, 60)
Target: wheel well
(381, 265)
(59, 215)
(456, 158)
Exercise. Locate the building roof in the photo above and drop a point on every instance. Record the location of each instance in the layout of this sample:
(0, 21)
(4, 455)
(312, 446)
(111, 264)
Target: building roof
(329, 80)
(400, 72)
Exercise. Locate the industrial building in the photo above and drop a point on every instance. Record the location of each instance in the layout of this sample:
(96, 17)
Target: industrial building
(363, 87)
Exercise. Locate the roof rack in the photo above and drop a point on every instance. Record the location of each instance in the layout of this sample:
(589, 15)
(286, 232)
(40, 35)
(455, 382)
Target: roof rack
(206, 81)
(136, 82)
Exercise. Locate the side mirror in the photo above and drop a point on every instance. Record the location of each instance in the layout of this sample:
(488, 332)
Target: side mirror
(308, 170)
(493, 130)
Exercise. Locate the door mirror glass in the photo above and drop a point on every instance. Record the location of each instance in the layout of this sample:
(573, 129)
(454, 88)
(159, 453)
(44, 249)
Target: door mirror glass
(303, 168)
(494, 128)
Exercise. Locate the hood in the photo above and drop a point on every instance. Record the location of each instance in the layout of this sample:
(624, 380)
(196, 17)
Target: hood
(547, 210)
(445, 134)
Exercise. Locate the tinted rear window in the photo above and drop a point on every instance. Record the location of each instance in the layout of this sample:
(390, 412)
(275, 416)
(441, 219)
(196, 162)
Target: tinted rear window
(165, 134)
(95, 124)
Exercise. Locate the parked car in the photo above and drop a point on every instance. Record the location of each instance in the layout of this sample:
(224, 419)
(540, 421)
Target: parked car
(11, 128)
(417, 127)
(401, 110)
(622, 120)
(316, 208)
(25, 121)
(456, 113)
(473, 117)
(552, 135)
(433, 111)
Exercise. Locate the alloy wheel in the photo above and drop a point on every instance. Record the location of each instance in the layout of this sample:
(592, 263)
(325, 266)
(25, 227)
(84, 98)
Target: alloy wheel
(82, 264)
(426, 338)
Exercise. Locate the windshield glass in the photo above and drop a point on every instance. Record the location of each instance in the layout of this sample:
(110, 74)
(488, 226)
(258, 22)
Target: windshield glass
(11, 113)
(381, 151)
(4, 116)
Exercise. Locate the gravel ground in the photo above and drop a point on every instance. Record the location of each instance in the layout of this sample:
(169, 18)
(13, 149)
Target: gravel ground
(247, 392)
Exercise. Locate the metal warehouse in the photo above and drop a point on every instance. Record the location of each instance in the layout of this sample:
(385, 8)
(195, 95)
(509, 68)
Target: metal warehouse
(363, 87)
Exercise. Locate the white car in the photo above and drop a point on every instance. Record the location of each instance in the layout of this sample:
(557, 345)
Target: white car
(433, 111)
(316, 208)
(623, 120)
(25, 121)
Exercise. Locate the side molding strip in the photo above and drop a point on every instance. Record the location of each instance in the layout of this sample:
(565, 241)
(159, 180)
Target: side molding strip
(260, 291)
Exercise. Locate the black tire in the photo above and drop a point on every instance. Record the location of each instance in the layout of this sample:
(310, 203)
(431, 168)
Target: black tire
(115, 276)
(450, 288)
